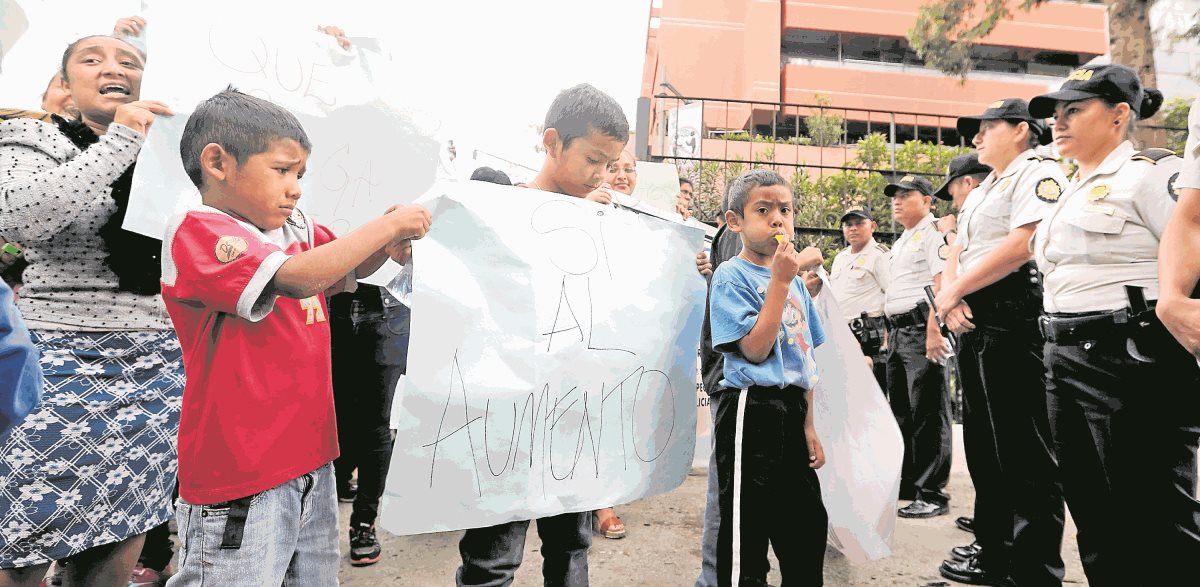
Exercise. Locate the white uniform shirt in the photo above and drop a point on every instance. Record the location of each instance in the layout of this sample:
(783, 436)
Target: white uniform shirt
(1023, 193)
(1189, 176)
(860, 279)
(918, 255)
(1104, 233)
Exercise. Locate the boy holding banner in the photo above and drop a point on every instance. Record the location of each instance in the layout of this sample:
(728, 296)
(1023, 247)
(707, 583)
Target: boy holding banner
(244, 280)
(585, 132)
(767, 451)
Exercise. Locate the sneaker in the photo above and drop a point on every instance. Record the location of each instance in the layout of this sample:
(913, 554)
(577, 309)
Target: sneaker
(364, 546)
(347, 491)
(144, 577)
(923, 509)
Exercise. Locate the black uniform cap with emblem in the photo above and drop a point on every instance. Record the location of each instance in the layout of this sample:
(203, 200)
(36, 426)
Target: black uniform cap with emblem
(908, 183)
(960, 166)
(1013, 110)
(1113, 83)
(856, 212)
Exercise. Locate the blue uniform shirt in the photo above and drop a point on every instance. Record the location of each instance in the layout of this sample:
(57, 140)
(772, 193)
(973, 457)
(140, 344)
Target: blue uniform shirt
(738, 290)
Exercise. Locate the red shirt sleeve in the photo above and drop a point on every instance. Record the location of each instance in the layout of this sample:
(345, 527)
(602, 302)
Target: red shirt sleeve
(222, 265)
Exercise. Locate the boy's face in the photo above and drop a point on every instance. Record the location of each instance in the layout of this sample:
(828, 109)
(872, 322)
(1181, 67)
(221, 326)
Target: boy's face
(768, 212)
(265, 188)
(581, 167)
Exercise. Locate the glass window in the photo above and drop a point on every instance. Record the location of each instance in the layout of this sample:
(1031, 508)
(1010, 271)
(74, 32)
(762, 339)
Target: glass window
(811, 44)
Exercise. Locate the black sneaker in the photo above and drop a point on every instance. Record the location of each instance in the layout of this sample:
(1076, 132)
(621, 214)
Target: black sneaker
(347, 491)
(364, 546)
(923, 509)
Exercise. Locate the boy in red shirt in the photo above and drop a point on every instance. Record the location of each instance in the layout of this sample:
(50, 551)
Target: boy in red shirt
(244, 280)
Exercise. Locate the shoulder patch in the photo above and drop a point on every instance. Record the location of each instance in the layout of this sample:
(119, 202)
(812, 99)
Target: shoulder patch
(1153, 156)
(1171, 191)
(1048, 190)
(1038, 158)
(229, 248)
(944, 252)
(297, 219)
(882, 247)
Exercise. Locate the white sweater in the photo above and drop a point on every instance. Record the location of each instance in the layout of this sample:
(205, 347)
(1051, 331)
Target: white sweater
(53, 200)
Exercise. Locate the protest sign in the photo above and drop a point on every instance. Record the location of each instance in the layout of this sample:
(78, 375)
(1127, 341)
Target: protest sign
(367, 153)
(863, 447)
(553, 361)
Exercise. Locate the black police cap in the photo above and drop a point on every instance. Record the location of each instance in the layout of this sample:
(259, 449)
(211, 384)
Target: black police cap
(908, 183)
(961, 166)
(1113, 83)
(856, 211)
(1010, 109)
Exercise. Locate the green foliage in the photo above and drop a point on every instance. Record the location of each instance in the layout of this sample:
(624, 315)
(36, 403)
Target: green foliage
(1175, 115)
(825, 128)
(946, 30)
(747, 137)
(822, 198)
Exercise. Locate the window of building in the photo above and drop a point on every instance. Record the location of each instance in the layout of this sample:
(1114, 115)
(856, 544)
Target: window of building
(811, 44)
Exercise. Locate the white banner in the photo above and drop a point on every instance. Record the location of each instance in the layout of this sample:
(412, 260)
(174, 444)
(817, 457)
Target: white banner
(367, 154)
(863, 447)
(553, 361)
(685, 126)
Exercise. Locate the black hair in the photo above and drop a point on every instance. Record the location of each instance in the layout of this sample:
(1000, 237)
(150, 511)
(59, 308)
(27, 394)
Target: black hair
(740, 188)
(579, 110)
(241, 124)
(491, 176)
(75, 45)
(683, 180)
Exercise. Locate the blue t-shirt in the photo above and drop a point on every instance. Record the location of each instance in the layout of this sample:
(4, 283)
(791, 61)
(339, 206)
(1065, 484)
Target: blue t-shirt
(20, 372)
(738, 290)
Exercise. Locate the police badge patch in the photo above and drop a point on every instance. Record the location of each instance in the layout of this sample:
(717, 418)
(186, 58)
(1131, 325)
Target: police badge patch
(944, 252)
(1048, 190)
(1171, 191)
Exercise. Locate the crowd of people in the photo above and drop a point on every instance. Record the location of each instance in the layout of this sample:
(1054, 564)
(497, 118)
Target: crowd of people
(139, 377)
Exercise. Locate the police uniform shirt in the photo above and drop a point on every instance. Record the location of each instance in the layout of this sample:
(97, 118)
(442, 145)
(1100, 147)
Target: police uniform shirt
(1104, 233)
(1189, 176)
(859, 279)
(918, 255)
(1022, 194)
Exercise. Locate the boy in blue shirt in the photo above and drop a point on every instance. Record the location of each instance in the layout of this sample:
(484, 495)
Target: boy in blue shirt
(767, 452)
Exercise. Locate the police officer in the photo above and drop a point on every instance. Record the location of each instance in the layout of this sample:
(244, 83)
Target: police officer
(1123, 400)
(915, 376)
(1178, 265)
(991, 297)
(859, 277)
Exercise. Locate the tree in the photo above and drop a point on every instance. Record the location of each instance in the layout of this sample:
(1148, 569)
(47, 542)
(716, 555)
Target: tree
(947, 30)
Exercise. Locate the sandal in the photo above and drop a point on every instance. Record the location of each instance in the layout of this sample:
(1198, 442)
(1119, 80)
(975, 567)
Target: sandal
(610, 527)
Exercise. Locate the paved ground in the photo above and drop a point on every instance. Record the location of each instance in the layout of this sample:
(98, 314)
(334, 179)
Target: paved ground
(663, 547)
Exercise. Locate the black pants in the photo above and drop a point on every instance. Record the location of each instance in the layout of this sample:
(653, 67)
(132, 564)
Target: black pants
(1009, 449)
(370, 352)
(921, 403)
(767, 492)
(491, 556)
(1126, 435)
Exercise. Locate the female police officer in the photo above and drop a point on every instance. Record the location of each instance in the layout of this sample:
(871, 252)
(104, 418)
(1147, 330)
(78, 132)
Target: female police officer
(1123, 397)
(991, 296)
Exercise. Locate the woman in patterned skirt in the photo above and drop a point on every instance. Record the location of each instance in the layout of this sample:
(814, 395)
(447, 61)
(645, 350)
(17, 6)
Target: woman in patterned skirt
(84, 476)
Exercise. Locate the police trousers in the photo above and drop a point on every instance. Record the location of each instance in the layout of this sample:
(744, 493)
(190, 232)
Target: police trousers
(1126, 434)
(921, 403)
(1006, 435)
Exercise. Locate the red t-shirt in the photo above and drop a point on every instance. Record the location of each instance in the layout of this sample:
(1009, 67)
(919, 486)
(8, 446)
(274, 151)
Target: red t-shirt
(258, 404)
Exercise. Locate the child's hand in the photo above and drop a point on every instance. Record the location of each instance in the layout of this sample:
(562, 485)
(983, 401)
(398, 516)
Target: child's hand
(816, 453)
(600, 195)
(140, 115)
(400, 251)
(810, 257)
(786, 263)
(703, 265)
(812, 282)
(409, 222)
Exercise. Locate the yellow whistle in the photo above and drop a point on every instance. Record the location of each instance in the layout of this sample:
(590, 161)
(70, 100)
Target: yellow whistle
(780, 238)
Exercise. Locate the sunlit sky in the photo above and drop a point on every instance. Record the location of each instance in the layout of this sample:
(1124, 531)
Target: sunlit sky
(486, 69)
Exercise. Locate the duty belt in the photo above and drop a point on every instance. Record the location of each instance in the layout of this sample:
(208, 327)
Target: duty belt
(913, 317)
(869, 332)
(1072, 328)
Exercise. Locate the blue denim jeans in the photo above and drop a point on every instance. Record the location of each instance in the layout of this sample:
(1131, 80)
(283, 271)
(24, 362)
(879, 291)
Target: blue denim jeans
(492, 555)
(290, 538)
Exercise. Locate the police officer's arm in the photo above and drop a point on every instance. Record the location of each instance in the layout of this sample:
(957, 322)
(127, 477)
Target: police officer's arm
(935, 343)
(883, 270)
(1178, 270)
(1009, 254)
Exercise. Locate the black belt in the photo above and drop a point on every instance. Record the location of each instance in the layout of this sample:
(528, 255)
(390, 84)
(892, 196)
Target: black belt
(913, 317)
(1073, 328)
